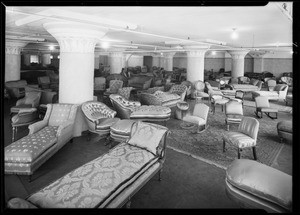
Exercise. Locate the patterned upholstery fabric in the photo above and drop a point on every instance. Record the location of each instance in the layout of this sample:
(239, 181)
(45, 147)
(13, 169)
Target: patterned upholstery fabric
(154, 89)
(151, 112)
(123, 107)
(147, 137)
(28, 148)
(25, 115)
(179, 89)
(96, 183)
(160, 98)
(125, 92)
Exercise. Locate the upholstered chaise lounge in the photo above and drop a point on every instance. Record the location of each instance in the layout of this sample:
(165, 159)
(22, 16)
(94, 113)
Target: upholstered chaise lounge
(110, 180)
(45, 138)
(279, 93)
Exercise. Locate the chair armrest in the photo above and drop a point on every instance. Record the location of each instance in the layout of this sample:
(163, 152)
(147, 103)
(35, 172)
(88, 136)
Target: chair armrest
(20, 101)
(16, 203)
(35, 127)
(65, 127)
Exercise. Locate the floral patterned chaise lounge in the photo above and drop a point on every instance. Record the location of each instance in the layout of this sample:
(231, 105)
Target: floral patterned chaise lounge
(110, 180)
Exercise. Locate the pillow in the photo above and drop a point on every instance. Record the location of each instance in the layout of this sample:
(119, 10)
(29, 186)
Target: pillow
(253, 81)
(147, 136)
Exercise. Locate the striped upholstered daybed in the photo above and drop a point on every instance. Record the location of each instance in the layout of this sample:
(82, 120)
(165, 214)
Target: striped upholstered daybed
(110, 180)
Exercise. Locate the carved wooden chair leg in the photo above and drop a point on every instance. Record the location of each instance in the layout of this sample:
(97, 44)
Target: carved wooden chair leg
(254, 152)
(239, 153)
(224, 143)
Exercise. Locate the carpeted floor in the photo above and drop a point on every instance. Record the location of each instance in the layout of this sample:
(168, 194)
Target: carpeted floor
(189, 179)
(208, 144)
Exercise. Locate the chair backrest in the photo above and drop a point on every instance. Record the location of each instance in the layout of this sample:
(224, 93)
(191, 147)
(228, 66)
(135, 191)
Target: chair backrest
(233, 108)
(271, 83)
(125, 92)
(239, 94)
(123, 106)
(249, 126)
(262, 102)
(114, 85)
(178, 89)
(201, 110)
(60, 113)
(33, 98)
(233, 81)
(44, 80)
(199, 86)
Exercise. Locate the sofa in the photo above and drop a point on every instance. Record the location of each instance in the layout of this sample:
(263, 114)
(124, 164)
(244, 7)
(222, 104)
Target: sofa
(103, 182)
(45, 138)
(279, 93)
(254, 85)
(16, 89)
(168, 99)
(255, 185)
(140, 82)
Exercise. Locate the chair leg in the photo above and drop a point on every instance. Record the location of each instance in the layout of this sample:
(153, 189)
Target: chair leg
(227, 127)
(224, 143)
(13, 134)
(239, 154)
(254, 152)
(159, 174)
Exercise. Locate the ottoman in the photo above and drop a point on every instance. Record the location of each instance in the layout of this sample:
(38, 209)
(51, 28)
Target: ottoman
(285, 130)
(151, 113)
(256, 185)
(120, 131)
(181, 109)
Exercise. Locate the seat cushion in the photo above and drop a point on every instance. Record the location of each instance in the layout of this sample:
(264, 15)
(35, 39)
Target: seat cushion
(262, 181)
(238, 139)
(150, 112)
(122, 127)
(194, 119)
(106, 123)
(285, 125)
(182, 105)
(27, 149)
(202, 94)
(16, 109)
(268, 110)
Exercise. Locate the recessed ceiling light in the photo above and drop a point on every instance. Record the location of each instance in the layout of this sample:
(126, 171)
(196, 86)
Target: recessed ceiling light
(51, 48)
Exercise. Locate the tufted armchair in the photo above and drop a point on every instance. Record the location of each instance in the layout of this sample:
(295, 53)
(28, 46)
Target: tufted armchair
(123, 107)
(160, 98)
(244, 137)
(179, 89)
(31, 100)
(99, 117)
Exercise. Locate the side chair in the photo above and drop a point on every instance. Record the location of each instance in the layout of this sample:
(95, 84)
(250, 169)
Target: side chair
(233, 112)
(263, 106)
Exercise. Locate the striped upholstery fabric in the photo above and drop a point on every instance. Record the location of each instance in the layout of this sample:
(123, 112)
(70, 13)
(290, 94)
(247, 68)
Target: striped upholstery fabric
(94, 110)
(239, 139)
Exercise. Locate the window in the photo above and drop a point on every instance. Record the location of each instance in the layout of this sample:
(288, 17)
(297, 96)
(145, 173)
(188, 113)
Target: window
(34, 59)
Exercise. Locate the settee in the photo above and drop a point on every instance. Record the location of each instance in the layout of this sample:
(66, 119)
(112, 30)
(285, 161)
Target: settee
(140, 82)
(102, 182)
(16, 89)
(254, 85)
(45, 138)
(279, 93)
(168, 99)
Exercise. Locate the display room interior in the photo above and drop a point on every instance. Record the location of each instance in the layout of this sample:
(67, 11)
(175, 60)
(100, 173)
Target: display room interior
(149, 107)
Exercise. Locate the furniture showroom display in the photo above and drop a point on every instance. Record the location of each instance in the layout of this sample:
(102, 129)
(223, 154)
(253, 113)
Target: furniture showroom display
(255, 185)
(254, 85)
(45, 138)
(102, 182)
(279, 93)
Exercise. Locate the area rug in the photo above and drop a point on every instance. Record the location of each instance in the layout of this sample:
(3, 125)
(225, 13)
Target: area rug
(207, 145)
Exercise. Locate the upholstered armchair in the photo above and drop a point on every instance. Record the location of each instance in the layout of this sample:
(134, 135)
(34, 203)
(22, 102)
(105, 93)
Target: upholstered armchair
(244, 137)
(123, 107)
(114, 85)
(271, 83)
(125, 92)
(99, 117)
(31, 100)
(233, 112)
(199, 116)
(99, 83)
(198, 90)
(179, 89)
(263, 106)
(189, 86)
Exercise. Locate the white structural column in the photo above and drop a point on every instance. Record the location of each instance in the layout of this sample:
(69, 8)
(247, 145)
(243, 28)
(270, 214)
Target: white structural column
(168, 64)
(26, 59)
(13, 60)
(237, 62)
(46, 59)
(116, 61)
(258, 62)
(96, 60)
(195, 62)
(76, 68)
(156, 59)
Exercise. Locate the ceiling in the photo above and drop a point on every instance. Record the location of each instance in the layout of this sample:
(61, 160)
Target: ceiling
(158, 29)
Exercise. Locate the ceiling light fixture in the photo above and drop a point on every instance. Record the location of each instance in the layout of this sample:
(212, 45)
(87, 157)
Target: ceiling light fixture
(51, 57)
(105, 45)
(234, 34)
(51, 48)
